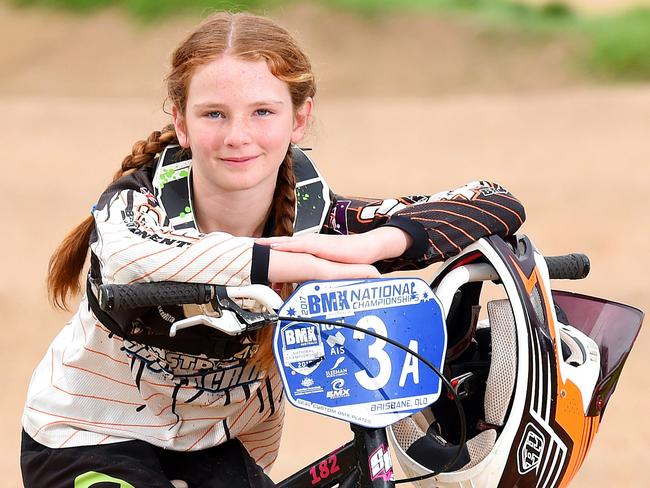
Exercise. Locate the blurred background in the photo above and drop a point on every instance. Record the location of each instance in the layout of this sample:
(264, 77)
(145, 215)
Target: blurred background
(550, 99)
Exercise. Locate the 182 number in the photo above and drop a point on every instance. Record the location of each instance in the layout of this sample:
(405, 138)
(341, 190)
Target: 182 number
(324, 469)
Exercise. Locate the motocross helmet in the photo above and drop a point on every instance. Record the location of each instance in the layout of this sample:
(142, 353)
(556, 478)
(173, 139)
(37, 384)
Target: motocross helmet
(534, 378)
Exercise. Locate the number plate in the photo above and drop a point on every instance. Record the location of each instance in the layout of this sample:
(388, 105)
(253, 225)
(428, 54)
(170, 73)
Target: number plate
(351, 375)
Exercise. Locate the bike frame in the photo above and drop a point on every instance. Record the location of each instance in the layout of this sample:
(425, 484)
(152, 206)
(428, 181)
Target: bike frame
(364, 461)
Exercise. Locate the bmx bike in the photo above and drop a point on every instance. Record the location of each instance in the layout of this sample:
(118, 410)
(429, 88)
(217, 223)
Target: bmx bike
(330, 366)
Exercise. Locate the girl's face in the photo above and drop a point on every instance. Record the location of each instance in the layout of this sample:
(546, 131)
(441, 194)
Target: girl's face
(239, 122)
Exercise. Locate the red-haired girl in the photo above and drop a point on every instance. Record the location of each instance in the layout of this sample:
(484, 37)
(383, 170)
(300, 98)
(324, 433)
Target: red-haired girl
(115, 399)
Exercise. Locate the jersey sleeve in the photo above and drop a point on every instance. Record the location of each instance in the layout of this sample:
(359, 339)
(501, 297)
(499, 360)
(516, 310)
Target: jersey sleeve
(441, 225)
(134, 242)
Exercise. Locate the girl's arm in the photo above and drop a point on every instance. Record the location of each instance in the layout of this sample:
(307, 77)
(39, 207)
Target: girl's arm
(134, 242)
(410, 232)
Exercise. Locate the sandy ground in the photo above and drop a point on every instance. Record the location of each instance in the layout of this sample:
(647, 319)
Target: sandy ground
(577, 155)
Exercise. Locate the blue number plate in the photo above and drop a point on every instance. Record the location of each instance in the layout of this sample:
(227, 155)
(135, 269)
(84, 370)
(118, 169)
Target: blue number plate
(351, 375)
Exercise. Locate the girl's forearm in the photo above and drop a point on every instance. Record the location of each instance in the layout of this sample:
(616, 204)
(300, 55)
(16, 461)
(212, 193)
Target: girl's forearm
(295, 267)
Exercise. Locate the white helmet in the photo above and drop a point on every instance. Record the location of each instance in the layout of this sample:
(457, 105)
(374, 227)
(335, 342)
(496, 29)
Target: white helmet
(534, 379)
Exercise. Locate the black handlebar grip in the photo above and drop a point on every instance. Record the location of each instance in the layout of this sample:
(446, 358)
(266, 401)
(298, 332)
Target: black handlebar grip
(124, 297)
(568, 267)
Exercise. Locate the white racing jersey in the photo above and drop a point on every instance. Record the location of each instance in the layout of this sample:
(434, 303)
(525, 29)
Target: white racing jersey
(94, 387)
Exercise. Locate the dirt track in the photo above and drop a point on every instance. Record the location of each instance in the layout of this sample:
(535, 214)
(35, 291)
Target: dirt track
(578, 157)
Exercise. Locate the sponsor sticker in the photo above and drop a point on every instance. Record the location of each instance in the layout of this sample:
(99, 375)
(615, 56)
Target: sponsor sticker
(530, 450)
(381, 464)
(338, 390)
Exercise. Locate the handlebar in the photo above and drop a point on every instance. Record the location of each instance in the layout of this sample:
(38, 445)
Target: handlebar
(226, 316)
(574, 266)
(123, 297)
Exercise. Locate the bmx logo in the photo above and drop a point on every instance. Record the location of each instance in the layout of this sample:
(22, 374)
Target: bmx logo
(530, 449)
(301, 336)
(333, 301)
(302, 348)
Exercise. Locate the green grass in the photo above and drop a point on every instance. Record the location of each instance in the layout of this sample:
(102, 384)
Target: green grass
(615, 46)
(492, 10)
(620, 46)
(149, 10)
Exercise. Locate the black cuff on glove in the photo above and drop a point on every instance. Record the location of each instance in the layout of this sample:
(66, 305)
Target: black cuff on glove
(417, 232)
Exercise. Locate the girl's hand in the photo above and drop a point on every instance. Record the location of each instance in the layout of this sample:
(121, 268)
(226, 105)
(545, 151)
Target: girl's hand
(369, 247)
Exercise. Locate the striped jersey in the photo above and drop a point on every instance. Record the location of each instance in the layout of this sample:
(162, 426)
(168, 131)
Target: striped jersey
(94, 387)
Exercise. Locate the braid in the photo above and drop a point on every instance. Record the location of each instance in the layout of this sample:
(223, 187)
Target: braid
(284, 207)
(284, 199)
(284, 212)
(145, 151)
(68, 259)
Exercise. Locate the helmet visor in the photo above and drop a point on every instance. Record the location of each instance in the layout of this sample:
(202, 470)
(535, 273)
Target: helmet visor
(613, 327)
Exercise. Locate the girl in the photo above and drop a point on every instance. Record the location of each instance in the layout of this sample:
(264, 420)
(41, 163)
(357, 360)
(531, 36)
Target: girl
(115, 399)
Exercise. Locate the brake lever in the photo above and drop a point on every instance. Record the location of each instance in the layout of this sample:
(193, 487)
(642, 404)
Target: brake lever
(229, 317)
(253, 320)
(226, 323)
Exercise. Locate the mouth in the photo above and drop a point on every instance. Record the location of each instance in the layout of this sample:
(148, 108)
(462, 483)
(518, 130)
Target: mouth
(238, 160)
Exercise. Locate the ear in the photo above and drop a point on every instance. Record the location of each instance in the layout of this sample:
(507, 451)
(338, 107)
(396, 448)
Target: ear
(181, 128)
(301, 120)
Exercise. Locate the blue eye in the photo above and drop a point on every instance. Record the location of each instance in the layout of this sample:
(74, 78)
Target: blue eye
(214, 115)
(263, 111)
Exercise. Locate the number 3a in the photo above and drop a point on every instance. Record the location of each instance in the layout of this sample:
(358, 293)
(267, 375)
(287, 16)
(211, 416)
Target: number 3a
(375, 351)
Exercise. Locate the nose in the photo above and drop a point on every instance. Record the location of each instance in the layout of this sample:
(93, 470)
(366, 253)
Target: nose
(237, 133)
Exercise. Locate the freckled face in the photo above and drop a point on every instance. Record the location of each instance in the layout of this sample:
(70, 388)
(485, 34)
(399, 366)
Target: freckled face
(239, 122)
